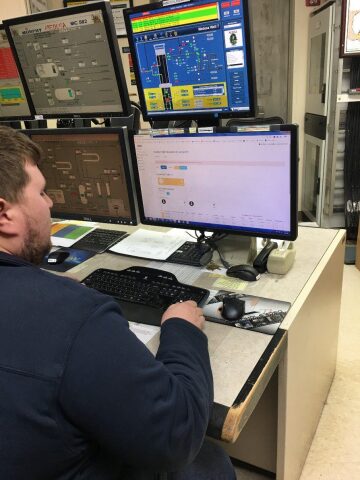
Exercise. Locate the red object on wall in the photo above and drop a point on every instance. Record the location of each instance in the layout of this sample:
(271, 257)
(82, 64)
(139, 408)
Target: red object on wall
(312, 3)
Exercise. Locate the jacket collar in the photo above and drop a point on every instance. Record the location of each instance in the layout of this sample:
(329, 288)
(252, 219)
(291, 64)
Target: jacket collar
(7, 259)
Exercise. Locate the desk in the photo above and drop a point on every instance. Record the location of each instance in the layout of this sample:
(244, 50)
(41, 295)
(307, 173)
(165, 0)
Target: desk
(272, 388)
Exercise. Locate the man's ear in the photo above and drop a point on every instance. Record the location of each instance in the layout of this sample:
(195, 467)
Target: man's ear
(7, 217)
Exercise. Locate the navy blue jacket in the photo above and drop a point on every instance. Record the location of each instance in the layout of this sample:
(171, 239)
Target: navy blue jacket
(80, 395)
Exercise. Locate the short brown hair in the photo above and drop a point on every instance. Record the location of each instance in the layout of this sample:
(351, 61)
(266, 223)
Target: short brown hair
(16, 149)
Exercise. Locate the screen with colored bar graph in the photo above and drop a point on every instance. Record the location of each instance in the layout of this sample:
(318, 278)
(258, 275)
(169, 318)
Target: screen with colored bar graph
(192, 59)
(13, 103)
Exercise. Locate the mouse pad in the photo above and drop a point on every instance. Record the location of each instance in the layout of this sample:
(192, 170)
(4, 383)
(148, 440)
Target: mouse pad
(75, 258)
(261, 314)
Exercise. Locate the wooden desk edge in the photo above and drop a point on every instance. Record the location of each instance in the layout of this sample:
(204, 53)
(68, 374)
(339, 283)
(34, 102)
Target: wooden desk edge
(239, 413)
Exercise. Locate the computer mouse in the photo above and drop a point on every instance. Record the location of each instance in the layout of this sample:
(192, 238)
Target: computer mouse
(233, 308)
(244, 272)
(57, 257)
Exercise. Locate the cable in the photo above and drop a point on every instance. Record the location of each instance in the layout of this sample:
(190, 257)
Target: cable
(211, 240)
(136, 105)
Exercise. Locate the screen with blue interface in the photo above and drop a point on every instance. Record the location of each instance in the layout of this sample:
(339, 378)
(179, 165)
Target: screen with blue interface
(192, 59)
(70, 62)
(238, 182)
(13, 103)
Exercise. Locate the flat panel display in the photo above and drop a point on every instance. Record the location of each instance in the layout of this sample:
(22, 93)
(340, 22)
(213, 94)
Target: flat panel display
(70, 62)
(87, 173)
(236, 182)
(13, 103)
(192, 59)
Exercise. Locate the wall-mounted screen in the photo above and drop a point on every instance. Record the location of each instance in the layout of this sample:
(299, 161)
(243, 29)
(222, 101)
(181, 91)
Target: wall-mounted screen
(70, 63)
(192, 59)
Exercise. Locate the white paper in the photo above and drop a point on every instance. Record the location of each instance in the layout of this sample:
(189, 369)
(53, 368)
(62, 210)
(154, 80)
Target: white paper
(183, 273)
(150, 244)
(144, 332)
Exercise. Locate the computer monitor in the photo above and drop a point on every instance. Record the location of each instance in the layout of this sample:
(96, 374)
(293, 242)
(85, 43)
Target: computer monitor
(13, 103)
(242, 182)
(192, 59)
(69, 61)
(87, 173)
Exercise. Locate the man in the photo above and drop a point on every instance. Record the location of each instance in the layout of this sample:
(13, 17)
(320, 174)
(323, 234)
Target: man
(80, 396)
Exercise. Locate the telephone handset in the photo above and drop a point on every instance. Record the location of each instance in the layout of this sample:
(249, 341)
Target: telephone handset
(260, 262)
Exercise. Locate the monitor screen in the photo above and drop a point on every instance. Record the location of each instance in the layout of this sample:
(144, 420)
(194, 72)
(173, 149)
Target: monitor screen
(235, 182)
(13, 103)
(87, 173)
(70, 62)
(192, 59)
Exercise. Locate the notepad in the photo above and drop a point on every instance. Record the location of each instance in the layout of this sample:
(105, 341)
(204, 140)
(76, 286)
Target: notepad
(151, 244)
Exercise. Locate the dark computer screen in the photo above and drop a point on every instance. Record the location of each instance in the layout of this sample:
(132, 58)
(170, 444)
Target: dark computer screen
(70, 63)
(235, 182)
(87, 173)
(192, 59)
(13, 103)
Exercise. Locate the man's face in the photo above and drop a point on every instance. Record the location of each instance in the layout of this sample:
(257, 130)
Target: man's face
(35, 223)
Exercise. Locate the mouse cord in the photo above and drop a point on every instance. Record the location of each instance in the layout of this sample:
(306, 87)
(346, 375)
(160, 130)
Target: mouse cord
(223, 261)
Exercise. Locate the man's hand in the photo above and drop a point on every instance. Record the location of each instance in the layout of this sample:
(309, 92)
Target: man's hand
(188, 311)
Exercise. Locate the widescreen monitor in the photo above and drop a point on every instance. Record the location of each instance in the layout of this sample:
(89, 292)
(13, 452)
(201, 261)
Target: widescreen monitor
(69, 61)
(192, 59)
(242, 182)
(87, 173)
(13, 103)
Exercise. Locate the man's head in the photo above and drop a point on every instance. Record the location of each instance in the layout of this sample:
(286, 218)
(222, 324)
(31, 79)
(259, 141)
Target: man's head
(24, 206)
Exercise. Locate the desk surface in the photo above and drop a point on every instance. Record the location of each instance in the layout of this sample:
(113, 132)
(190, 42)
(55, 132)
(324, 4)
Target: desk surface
(242, 361)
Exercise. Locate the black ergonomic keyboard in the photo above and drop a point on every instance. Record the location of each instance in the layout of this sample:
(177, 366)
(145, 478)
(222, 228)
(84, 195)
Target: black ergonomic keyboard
(192, 253)
(99, 240)
(144, 293)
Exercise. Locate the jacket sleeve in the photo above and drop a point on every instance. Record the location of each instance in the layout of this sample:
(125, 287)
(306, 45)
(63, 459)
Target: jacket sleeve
(132, 405)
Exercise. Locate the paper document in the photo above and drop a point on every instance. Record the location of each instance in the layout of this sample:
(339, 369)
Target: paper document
(149, 244)
(144, 332)
(66, 234)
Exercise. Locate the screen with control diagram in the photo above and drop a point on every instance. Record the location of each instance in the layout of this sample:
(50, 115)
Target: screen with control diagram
(236, 182)
(70, 62)
(87, 174)
(192, 59)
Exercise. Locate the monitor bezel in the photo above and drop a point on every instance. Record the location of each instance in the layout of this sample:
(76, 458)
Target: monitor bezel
(105, 8)
(199, 116)
(126, 153)
(294, 157)
(16, 117)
